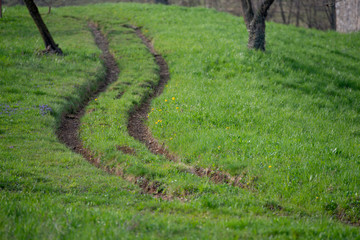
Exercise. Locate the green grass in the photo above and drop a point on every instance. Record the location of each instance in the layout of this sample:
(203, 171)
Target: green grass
(294, 108)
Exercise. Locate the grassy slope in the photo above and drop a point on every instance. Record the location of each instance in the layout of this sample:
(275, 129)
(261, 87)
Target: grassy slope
(295, 108)
(217, 85)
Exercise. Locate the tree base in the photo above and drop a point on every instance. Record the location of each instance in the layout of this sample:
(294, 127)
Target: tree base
(51, 51)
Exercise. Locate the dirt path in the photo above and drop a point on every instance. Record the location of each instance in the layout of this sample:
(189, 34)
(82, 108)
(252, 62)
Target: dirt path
(68, 132)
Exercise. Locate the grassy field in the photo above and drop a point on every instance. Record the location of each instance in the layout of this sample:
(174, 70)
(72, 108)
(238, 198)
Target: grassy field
(287, 121)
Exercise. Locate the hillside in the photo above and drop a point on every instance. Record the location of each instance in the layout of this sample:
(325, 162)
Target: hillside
(263, 145)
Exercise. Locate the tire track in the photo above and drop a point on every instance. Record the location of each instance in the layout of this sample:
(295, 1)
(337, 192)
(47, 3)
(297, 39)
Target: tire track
(138, 130)
(68, 132)
(136, 127)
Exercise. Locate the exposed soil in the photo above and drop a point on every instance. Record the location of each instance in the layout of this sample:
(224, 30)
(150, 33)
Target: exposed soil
(141, 132)
(68, 132)
(126, 150)
(136, 127)
(70, 123)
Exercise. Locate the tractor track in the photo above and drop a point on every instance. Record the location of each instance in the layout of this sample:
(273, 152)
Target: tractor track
(138, 129)
(68, 132)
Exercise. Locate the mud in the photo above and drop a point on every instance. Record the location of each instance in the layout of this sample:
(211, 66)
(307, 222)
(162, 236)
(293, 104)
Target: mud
(138, 129)
(136, 126)
(68, 132)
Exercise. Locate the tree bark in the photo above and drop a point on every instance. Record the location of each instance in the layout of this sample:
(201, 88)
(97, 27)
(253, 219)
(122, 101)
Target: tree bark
(255, 23)
(282, 11)
(50, 45)
(165, 2)
(290, 11)
(297, 13)
(248, 12)
(331, 14)
(0, 8)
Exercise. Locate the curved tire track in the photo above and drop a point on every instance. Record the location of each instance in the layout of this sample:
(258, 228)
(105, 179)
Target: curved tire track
(138, 129)
(68, 132)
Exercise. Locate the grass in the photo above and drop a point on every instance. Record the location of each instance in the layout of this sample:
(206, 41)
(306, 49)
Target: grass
(294, 108)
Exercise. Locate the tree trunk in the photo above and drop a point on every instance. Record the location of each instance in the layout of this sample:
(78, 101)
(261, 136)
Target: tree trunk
(0, 9)
(333, 16)
(255, 23)
(308, 11)
(282, 11)
(247, 12)
(331, 13)
(50, 45)
(165, 2)
(297, 13)
(257, 34)
(290, 11)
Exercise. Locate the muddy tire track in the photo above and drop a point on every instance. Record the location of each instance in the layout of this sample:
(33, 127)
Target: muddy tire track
(136, 127)
(68, 132)
(138, 130)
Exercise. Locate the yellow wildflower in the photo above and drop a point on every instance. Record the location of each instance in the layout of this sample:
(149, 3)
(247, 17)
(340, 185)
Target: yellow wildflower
(165, 100)
(173, 98)
(95, 99)
(270, 166)
(177, 107)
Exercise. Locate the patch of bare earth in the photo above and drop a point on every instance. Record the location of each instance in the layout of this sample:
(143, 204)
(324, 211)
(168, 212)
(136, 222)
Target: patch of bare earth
(68, 132)
(126, 150)
(138, 129)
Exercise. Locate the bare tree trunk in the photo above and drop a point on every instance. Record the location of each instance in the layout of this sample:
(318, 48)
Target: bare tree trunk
(48, 3)
(290, 11)
(333, 16)
(314, 18)
(50, 45)
(255, 23)
(247, 12)
(282, 11)
(165, 2)
(0, 9)
(331, 13)
(257, 34)
(308, 13)
(297, 13)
